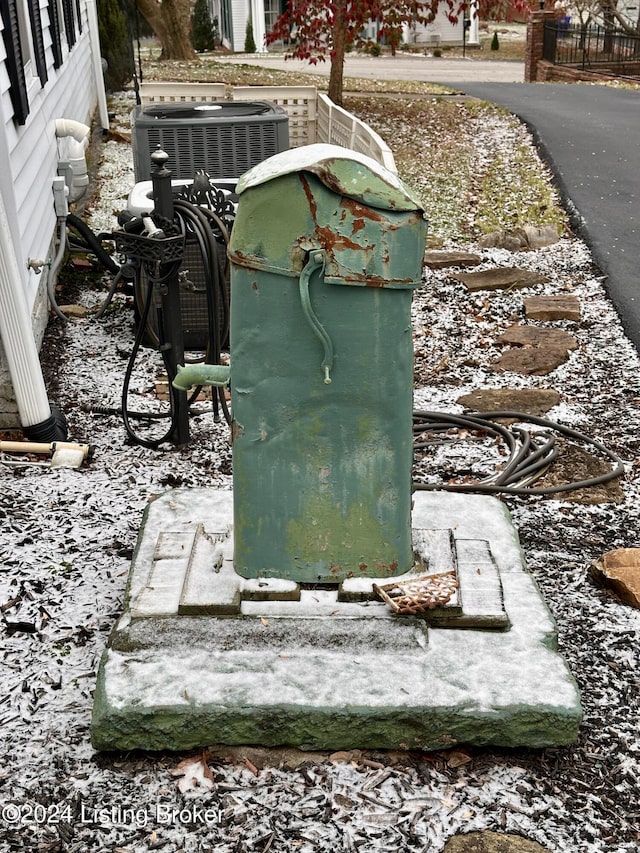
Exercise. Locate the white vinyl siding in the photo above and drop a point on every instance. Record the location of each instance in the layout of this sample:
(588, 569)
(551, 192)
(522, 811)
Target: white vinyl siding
(30, 151)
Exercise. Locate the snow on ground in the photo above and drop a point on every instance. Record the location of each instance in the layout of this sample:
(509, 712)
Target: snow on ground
(68, 537)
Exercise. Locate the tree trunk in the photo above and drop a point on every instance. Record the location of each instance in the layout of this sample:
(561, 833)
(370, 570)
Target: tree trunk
(339, 40)
(171, 22)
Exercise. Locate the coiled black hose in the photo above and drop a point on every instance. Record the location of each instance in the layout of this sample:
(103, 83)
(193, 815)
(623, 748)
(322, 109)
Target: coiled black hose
(198, 222)
(194, 223)
(152, 443)
(530, 455)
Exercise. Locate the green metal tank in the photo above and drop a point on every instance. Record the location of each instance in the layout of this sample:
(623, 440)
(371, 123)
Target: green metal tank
(326, 250)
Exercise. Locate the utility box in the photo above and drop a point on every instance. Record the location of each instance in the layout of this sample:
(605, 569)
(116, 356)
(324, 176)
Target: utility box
(326, 251)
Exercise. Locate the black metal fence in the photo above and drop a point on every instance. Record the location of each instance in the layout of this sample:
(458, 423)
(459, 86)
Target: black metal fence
(589, 47)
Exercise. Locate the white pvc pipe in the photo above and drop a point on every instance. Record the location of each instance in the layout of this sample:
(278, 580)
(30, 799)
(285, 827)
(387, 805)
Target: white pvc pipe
(76, 136)
(75, 129)
(17, 337)
(96, 59)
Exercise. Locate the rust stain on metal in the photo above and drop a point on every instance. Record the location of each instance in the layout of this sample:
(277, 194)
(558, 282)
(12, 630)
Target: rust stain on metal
(359, 210)
(240, 256)
(297, 257)
(325, 172)
(236, 430)
(309, 194)
(326, 235)
(330, 240)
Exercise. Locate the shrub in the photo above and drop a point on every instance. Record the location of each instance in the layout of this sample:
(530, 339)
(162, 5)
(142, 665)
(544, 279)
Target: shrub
(203, 35)
(495, 44)
(249, 41)
(115, 45)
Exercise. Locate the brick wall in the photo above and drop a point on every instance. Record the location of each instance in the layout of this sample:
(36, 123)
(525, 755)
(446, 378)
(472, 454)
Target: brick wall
(535, 42)
(547, 72)
(538, 70)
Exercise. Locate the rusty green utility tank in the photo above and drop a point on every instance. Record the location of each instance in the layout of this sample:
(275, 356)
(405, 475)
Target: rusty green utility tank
(326, 250)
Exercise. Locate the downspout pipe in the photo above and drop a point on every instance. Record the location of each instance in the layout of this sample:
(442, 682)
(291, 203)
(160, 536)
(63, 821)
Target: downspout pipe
(96, 59)
(38, 421)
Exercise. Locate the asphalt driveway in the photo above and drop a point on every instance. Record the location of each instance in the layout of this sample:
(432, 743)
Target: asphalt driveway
(588, 134)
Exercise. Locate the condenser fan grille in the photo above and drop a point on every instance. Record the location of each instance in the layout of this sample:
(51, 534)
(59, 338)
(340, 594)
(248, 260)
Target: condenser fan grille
(221, 142)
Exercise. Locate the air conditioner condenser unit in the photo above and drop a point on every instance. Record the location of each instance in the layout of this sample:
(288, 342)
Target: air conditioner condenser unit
(224, 138)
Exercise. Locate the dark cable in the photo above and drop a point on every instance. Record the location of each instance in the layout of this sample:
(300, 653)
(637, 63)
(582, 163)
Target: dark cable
(145, 442)
(197, 222)
(529, 457)
(142, 416)
(93, 243)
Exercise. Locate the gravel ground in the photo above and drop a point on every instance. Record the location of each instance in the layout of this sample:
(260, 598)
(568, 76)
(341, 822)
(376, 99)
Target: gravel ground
(67, 540)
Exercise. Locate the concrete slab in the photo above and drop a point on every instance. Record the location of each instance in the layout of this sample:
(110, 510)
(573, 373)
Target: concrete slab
(330, 668)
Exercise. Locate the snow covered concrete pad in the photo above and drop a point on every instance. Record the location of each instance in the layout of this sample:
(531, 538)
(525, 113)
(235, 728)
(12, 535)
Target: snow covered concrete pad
(309, 669)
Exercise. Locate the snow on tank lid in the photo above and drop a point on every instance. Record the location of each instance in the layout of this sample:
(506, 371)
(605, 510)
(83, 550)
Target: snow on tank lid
(342, 170)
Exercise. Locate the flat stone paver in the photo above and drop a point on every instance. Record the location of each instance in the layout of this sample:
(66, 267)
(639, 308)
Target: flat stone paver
(500, 278)
(531, 401)
(492, 842)
(620, 571)
(537, 336)
(548, 308)
(531, 361)
(437, 260)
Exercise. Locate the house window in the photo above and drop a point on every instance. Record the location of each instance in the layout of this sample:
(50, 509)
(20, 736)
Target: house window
(272, 11)
(24, 47)
(226, 29)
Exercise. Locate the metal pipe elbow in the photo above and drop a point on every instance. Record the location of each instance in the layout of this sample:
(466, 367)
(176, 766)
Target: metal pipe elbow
(201, 374)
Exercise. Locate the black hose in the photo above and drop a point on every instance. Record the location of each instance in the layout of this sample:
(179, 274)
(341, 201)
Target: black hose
(114, 284)
(142, 416)
(529, 457)
(93, 243)
(196, 222)
(137, 439)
